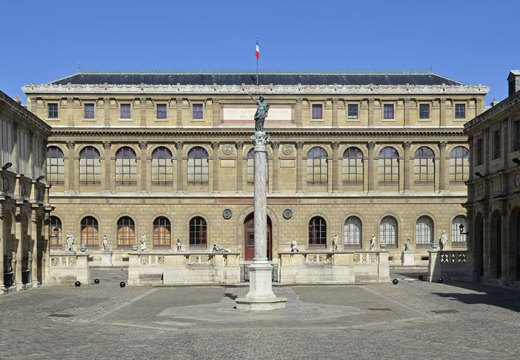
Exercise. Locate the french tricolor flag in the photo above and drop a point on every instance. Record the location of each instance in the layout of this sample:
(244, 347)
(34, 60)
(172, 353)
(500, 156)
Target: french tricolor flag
(257, 50)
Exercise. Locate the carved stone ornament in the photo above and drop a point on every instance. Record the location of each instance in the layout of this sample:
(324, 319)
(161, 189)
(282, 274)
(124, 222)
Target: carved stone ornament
(106, 144)
(227, 214)
(227, 149)
(287, 149)
(143, 145)
(287, 214)
(260, 140)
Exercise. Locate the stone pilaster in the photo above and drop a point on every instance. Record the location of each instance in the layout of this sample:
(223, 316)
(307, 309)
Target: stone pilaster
(371, 167)
(19, 237)
(106, 106)
(299, 120)
(299, 166)
(180, 157)
(34, 251)
(335, 112)
(216, 112)
(275, 171)
(406, 110)
(370, 112)
(107, 146)
(70, 165)
(442, 166)
(179, 112)
(406, 167)
(3, 241)
(240, 166)
(335, 166)
(442, 112)
(143, 145)
(216, 166)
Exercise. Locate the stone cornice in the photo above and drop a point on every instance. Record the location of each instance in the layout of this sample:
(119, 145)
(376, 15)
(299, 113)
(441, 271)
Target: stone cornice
(23, 113)
(494, 111)
(332, 89)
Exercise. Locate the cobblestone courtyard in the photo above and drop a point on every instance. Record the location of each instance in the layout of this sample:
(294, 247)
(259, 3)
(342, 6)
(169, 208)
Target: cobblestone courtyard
(410, 320)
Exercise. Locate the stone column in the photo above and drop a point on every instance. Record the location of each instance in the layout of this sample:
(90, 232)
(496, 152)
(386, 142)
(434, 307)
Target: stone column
(275, 145)
(18, 258)
(406, 167)
(143, 145)
(70, 165)
(180, 158)
(34, 250)
(442, 166)
(299, 166)
(46, 246)
(240, 167)
(108, 166)
(260, 295)
(2, 249)
(335, 166)
(215, 146)
(371, 167)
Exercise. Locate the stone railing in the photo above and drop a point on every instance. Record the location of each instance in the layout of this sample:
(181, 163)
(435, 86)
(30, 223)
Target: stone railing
(449, 265)
(67, 267)
(326, 267)
(182, 268)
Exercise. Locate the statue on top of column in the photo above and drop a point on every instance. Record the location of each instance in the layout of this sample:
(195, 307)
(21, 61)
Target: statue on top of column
(261, 112)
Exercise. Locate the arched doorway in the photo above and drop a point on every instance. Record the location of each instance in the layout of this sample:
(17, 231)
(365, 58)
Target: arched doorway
(496, 245)
(249, 238)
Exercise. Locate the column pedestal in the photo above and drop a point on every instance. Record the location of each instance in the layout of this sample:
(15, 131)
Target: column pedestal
(260, 295)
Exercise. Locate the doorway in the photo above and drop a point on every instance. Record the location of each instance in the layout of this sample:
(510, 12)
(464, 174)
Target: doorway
(249, 238)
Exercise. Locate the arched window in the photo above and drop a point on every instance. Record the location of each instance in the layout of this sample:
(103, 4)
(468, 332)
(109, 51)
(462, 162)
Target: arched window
(125, 231)
(317, 232)
(317, 166)
(459, 164)
(126, 166)
(162, 232)
(456, 236)
(353, 165)
(251, 166)
(55, 165)
(424, 231)
(424, 169)
(198, 167)
(198, 232)
(89, 231)
(388, 165)
(89, 166)
(162, 166)
(55, 231)
(388, 231)
(352, 231)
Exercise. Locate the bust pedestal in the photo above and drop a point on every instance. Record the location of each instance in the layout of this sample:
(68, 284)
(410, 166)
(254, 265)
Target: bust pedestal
(408, 258)
(106, 258)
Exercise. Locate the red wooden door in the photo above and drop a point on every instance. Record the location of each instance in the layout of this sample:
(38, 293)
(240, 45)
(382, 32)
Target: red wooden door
(249, 238)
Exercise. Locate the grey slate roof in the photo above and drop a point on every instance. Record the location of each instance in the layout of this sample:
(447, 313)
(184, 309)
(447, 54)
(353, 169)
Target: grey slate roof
(250, 79)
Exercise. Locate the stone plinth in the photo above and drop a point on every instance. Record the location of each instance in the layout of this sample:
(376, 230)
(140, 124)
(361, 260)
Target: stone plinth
(105, 259)
(67, 267)
(408, 258)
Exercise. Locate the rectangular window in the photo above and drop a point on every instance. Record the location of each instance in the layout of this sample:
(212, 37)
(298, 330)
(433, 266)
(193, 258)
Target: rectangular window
(161, 111)
(516, 135)
(89, 111)
(352, 111)
(480, 152)
(52, 111)
(317, 111)
(496, 144)
(125, 111)
(460, 111)
(198, 111)
(424, 111)
(388, 111)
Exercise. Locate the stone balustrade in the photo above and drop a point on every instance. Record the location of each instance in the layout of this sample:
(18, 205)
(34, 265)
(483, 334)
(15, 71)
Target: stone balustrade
(67, 267)
(339, 267)
(183, 268)
(450, 265)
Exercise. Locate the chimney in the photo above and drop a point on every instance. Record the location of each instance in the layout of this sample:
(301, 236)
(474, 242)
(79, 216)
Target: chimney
(514, 81)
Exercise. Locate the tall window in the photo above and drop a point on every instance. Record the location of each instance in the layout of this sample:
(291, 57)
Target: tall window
(198, 111)
(388, 231)
(88, 111)
(125, 231)
(352, 231)
(317, 111)
(198, 232)
(89, 231)
(459, 164)
(353, 165)
(388, 169)
(198, 166)
(388, 111)
(516, 135)
(251, 166)
(424, 111)
(317, 166)
(456, 237)
(460, 111)
(52, 111)
(162, 231)
(479, 152)
(125, 111)
(162, 166)
(161, 111)
(126, 166)
(352, 111)
(317, 232)
(89, 166)
(55, 165)
(424, 169)
(424, 230)
(55, 231)
(496, 144)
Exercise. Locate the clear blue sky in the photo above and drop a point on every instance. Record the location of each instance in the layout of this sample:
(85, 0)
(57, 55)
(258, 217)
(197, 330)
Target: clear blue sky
(473, 41)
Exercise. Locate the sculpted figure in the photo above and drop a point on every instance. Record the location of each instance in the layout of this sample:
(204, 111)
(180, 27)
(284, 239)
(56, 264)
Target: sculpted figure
(179, 245)
(143, 243)
(294, 247)
(372, 242)
(335, 243)
(105, 242)
(444, 240)
(70, 242)
(261, 112)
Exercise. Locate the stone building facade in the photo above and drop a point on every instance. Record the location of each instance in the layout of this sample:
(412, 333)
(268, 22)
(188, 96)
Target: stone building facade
(24, 200)
(169, 156)
(493, 189)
